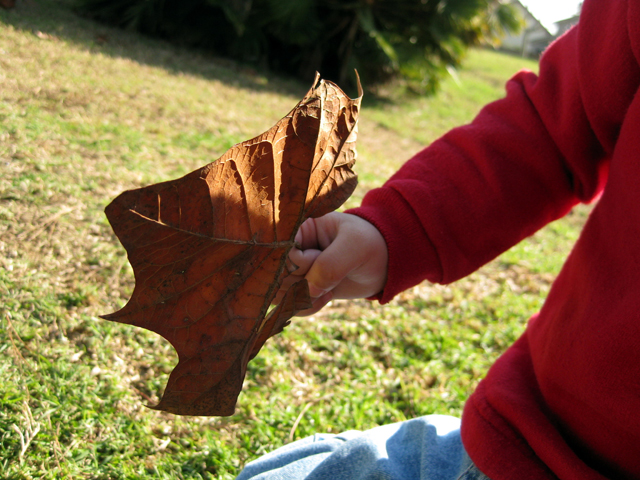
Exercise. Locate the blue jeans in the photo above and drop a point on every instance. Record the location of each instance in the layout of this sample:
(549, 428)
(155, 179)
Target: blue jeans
(425, 448)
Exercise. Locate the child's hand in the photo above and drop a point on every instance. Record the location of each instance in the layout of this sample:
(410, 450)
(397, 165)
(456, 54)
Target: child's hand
(341, 256)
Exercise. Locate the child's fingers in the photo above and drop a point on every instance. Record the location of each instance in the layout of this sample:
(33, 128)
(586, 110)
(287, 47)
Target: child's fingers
(332, 265)
(307, 235)
(284, 286)
(303, 259)
(318, 304)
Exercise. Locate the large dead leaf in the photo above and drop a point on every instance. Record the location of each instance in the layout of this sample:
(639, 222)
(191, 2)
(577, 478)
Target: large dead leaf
(209, 250)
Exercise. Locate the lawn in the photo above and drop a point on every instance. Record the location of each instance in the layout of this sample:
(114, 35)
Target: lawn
(87, 112)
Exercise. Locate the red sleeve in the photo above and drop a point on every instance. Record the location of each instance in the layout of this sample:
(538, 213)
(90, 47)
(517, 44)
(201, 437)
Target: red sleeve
(523, 162)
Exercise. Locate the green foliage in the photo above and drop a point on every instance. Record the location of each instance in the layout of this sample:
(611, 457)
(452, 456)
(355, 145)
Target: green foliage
(416, 40)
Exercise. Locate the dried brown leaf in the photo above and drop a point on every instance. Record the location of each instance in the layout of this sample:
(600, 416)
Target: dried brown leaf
(209, 250)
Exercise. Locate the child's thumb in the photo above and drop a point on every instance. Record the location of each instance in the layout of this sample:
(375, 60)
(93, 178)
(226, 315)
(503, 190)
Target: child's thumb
(332, 266)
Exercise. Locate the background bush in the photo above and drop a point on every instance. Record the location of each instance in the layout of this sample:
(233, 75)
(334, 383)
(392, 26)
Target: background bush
(416, 40)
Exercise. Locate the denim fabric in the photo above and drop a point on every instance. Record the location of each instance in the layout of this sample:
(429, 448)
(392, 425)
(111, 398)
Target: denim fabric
(425, 448)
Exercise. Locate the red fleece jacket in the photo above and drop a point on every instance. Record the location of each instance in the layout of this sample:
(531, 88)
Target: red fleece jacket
(564, 400)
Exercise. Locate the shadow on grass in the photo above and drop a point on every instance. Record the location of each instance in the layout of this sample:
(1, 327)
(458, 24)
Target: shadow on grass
(57, 18)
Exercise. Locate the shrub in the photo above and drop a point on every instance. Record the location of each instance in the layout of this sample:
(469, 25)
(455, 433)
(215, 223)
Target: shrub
(413, 39)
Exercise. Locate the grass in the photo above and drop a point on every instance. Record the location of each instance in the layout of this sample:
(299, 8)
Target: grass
(87, 112)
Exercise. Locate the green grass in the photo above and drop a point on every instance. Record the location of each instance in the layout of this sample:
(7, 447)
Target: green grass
(481, 80)
(87, 112)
